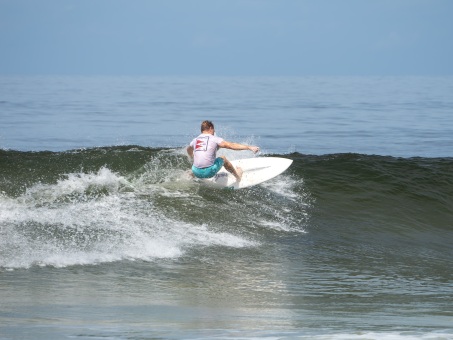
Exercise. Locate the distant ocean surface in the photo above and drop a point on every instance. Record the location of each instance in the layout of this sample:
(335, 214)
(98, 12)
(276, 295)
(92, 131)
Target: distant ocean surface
(104, 235)
(396, 116)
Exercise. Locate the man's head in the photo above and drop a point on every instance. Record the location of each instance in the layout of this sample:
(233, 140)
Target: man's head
(206, 126)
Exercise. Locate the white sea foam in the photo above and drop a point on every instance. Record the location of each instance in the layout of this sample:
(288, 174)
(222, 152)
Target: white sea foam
(74, 187)
(282, 185)
(94, 218)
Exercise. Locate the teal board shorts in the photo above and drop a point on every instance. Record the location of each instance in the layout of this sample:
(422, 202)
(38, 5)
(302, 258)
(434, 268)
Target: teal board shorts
(210, 171)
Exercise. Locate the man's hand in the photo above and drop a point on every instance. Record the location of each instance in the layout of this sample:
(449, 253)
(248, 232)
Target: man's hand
(255, 149)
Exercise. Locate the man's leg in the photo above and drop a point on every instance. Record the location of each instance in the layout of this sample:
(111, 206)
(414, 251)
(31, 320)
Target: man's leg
(237, 172)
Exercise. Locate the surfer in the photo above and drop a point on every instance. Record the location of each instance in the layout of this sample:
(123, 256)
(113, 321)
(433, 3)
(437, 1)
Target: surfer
(203, 150)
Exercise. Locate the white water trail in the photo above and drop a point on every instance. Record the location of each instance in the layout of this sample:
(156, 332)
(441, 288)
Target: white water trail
(93, 218)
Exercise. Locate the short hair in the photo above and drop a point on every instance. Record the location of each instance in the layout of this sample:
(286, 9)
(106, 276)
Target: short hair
(206, 125)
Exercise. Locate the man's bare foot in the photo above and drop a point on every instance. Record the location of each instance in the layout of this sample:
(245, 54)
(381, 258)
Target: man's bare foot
(239, 173)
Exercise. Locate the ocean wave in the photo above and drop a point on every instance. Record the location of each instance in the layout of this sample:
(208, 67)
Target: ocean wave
(112, 203)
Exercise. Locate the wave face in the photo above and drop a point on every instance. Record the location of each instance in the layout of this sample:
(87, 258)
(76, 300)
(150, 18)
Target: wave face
(108, 204)
(385, 193)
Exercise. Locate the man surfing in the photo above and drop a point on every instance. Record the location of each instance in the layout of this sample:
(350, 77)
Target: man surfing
(203, 151)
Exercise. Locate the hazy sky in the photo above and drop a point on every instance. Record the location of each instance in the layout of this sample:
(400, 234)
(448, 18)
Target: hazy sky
(227, 37)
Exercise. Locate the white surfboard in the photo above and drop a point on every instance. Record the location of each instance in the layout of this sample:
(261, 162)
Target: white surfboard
(255, 171)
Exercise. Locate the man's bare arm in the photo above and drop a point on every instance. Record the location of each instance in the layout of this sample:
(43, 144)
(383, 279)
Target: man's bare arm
(190, 151)
(237, 146)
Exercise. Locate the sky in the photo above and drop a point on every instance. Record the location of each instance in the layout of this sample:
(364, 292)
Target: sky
(226, 37)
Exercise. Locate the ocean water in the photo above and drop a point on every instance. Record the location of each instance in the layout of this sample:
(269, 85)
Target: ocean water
(104, 235)
(397, 116)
